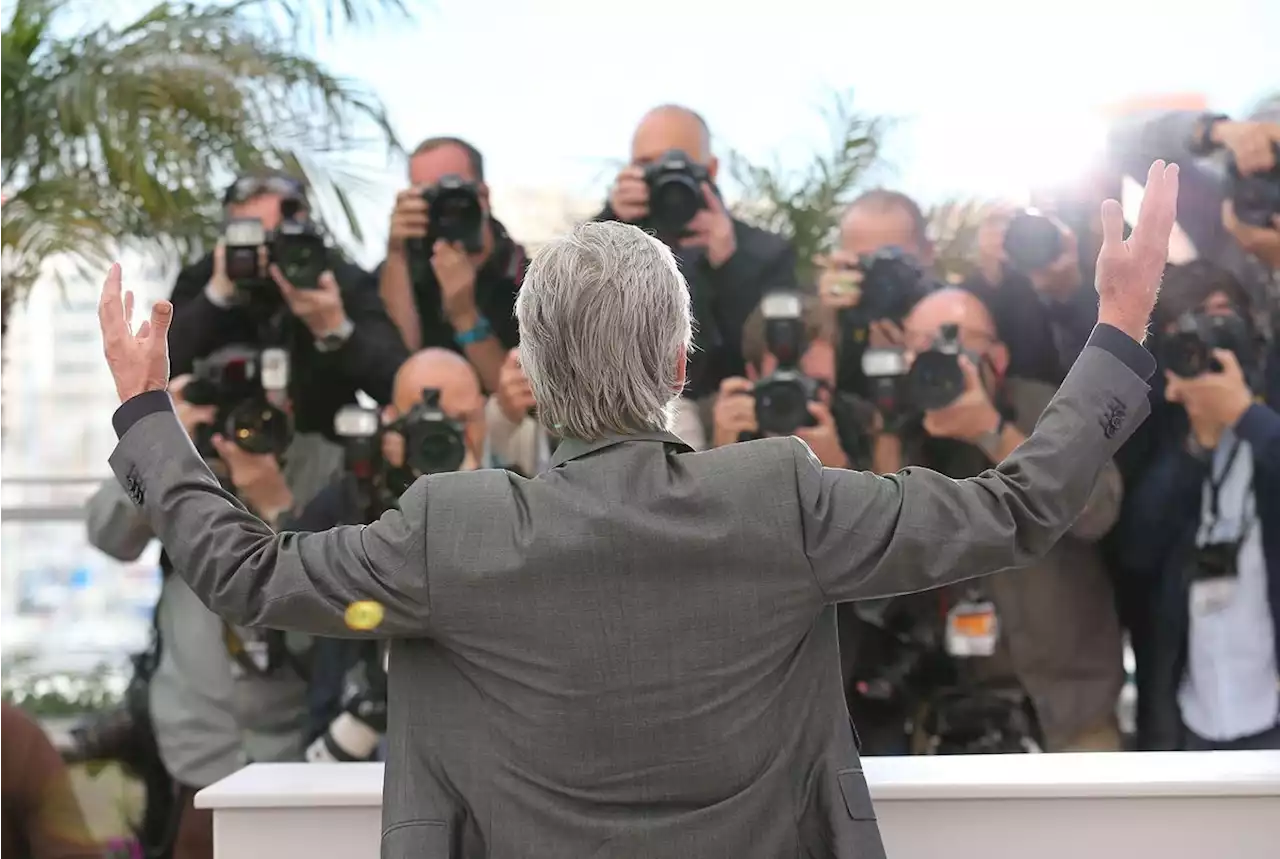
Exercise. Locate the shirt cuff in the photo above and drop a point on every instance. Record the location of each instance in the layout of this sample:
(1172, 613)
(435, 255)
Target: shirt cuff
(1129, 351)
(136, 408)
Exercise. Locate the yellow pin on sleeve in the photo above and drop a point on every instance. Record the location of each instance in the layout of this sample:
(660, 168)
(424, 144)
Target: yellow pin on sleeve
(364, 615)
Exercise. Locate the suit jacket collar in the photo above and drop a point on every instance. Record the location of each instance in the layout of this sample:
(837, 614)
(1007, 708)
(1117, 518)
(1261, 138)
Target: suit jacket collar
(575, 448)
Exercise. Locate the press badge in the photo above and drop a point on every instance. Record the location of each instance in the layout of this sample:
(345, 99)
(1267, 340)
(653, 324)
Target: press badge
(972, 629)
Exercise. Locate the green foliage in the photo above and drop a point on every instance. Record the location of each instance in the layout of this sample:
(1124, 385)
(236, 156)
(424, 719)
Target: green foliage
(953, 229)
(805, 205)
(128, 131)
(61, 695)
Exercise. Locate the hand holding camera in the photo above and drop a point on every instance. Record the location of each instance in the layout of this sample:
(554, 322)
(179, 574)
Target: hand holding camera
(409, 220)
(1252, 144)
(1260, 242)
(823, 438)
(455, 271)
(1213, 401)
(712, 229)
(629, 197)
(320, 309)
(734, 414)
(970, 416)
(257, 478)
(515, 395)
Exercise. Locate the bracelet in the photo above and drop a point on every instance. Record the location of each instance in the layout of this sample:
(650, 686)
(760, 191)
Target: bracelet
(480, 331)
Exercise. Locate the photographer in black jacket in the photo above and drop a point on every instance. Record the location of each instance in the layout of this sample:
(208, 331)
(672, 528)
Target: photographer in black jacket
(334, 328)
(669, 188)
(452, 271)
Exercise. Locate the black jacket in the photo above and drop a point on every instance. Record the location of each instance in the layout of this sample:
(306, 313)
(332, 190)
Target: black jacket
(320, 382)
(723, 298)
(497, 283)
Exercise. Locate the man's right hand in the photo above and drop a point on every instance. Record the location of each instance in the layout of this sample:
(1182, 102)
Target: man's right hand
(515, 395)
(408, 219)
(1129, 272)
(734, 412)
(629, 197)
(189, 416)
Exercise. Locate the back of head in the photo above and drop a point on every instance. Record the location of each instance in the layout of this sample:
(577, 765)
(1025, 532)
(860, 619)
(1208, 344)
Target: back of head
(604, 324)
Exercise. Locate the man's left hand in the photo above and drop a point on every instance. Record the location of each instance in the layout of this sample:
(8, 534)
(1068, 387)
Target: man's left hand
(320, 309)
(970, 417)
(139, 361)
(823, 439)
(456, 274)
(257, 478)
(712, 229)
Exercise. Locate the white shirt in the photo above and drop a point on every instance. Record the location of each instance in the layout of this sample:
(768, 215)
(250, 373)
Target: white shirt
(1231, 688)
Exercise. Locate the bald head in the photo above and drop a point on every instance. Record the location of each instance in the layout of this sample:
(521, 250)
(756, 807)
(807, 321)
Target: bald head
(952, 306)
(443, 370)
(881, 219)
(671, 126)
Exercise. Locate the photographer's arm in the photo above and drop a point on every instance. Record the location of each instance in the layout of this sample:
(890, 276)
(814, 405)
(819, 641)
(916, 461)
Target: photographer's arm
(199, 326)
(251, 576)
(868, 537)
(1165, 498)
(395, 288)
(374, 352)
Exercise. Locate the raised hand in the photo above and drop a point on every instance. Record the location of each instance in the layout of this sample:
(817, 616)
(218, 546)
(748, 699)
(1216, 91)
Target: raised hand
(139, 362)
(1129, 272)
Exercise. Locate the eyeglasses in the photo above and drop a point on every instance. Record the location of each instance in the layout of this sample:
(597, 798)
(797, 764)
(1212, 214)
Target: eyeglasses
(248, 187)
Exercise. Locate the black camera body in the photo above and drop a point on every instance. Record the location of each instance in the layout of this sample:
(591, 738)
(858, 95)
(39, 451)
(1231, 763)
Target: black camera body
(892, 282)
(1188, 351)
(936, 379)
(1256, 197)
(675, 191)
(433, 444)
(1032, 242)
(454, 214)
(783, 397)
(241, 382)
(297, 246)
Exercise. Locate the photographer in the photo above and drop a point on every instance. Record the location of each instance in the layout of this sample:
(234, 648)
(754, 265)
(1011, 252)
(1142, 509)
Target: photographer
(219, 697)
(272, 282)
(452, 271)
(516, 441)
(788, 348)
(348, 680)
(1201, 526)
(1031, 279)
(873, 278)
(669, 188)
(1052, 635)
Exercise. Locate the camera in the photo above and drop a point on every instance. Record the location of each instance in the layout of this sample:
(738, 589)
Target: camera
(246, 387)
(433, 442)
(298, 248)
(1032, 242)
(675, 190)
(1188, 351)
(454, 214)
(1256, 197)
(891, 282)
(935, 379)
(783, 397)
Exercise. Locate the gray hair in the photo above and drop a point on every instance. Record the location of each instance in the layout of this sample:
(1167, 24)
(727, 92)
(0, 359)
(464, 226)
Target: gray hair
(604, 313)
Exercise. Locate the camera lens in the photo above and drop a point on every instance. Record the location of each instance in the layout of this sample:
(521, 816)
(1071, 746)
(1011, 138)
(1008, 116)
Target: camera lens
(259, 427)
(935, 380)
(676, 200)
(434, 448)
(782, 405)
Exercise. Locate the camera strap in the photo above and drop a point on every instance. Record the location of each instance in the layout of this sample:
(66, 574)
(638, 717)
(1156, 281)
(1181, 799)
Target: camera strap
(1215, 483)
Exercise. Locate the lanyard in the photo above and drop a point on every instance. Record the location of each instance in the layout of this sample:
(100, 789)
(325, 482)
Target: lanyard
(1215, 484)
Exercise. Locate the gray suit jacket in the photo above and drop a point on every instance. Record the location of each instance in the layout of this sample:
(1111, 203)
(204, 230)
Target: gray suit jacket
(642, 639)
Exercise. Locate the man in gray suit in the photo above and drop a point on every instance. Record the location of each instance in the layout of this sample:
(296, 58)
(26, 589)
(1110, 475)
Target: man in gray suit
(647, 633)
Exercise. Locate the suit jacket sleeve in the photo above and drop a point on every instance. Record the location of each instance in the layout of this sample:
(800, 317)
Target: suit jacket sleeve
(114, 525)
(868, 536)
(251, 576)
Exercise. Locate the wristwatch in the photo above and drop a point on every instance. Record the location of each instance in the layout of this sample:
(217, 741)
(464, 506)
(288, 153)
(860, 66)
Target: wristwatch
(480, 331)
(989, 441)
(334, 340)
